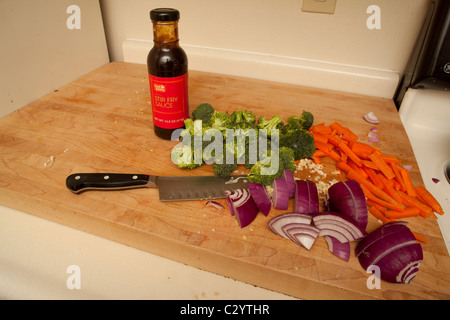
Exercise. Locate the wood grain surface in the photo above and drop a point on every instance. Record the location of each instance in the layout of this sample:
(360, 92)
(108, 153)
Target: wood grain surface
(102, 123)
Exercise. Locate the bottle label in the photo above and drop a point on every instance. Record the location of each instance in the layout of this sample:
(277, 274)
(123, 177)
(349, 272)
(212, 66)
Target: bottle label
(170, 103)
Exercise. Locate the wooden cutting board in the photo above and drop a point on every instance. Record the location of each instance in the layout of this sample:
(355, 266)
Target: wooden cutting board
(102, 123)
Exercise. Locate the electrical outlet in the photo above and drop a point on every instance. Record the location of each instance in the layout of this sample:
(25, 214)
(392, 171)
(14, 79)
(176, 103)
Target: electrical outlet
(319, 6)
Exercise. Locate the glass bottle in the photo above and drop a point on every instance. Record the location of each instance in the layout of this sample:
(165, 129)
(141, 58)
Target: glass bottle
(168, 74)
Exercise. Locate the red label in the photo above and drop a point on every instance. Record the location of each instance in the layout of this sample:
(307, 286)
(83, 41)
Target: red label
(170, 103)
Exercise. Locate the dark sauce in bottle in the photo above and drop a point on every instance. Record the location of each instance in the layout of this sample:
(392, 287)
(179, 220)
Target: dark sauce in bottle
(168, 74)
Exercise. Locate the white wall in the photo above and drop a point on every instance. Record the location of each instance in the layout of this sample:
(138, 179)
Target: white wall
(40, 54)
(275, 40)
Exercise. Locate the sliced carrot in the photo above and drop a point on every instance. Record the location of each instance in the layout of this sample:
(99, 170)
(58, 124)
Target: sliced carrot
(370, 164)
(381, 202)
(360, 170)
(379, 162)
(419, 238)
(398, 177)
(325, 147)
(319, 137)
(334, 140)
(429, 199)
(361, 148)
(322, 129)
(424, 210)
(317, 160)
(334, 155)
(338, 127)
(389, 188)
(408, 183)
(343, 166)
(373, 177)
(350, 154)
(378, 214)
(390, 159)
(408, 212)
(378, 206)
(353, 175)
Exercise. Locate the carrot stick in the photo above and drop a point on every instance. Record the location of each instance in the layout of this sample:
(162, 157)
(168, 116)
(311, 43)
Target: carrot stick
(429, 199)
(371, 196)
(322, 129)
(353, 175)
(377, 214)
(408, 183)
(338, 127)
(359, 147)
(373, 177)
(317, 160)
(389, 188)
(343, 166)
(408, 212)
(370, 164)
(325, 147)
(376, 205)
(389, 159)
(319, 137)
(334, 155)
(379, 162)
(350, 154)
(419, 238)
(424, 210)
(398, 177)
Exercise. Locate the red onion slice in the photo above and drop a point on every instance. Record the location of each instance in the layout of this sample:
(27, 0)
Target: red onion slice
(338, 226)
(261, 197)
(242, 206)
(288, 175)
(276, 224)
(280, 195)
(371, 118)
(306, 197)
(379, 233)
(393, 248)
(302, 234)
(348, 198)
(338, 248)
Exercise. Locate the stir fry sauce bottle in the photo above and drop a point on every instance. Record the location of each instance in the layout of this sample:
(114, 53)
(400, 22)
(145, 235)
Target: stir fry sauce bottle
(168, 74)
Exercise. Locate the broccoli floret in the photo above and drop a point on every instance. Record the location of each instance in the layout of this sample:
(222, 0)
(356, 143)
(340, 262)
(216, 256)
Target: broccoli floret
(266, 170)
(240, 116)
(224, 169)
(204, 112)
(299, 140)
(183, 157)
(305, 121)
(274, 123)
(220, 121)
(287, 158)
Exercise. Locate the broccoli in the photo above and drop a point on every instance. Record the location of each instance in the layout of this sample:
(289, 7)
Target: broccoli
(243, 116)
(266, 170)
(223, 169)
(305, 121)
(220, 121)
(183, 157)
(274, 123)
(204, 112)
(287, 158)
(299, 140)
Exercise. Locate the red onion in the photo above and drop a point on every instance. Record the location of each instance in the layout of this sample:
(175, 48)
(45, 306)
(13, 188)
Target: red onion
(261, 197)
(393, 248)
(242, 206)
(348, 198)
(339, 249)
(371, 118)
(303, 234)
(280, 195)
(306, 197)
(276, 224)
(296, 227)
(339, 226)
(288, 175)
(214, 204)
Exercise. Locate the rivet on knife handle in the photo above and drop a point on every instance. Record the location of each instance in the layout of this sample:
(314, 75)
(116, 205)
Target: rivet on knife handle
(79, 182)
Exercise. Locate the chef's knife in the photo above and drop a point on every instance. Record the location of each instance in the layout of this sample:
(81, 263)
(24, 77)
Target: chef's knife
(170, 188)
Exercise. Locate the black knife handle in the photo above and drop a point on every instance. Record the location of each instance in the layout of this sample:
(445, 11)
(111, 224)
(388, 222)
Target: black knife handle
(79, 182)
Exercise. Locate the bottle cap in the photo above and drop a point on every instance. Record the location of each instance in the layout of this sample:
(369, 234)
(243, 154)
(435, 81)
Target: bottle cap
(164, 14)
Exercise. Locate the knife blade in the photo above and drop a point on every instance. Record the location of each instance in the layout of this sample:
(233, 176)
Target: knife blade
(175, 188)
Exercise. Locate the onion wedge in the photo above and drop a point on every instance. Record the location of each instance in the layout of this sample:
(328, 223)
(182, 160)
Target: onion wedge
(280, 194)
(338, 226)
(260, 196)
(242, 206)
(339, 249)
(306, 197)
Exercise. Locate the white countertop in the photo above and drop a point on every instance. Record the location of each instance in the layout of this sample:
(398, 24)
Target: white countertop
(35, 255)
